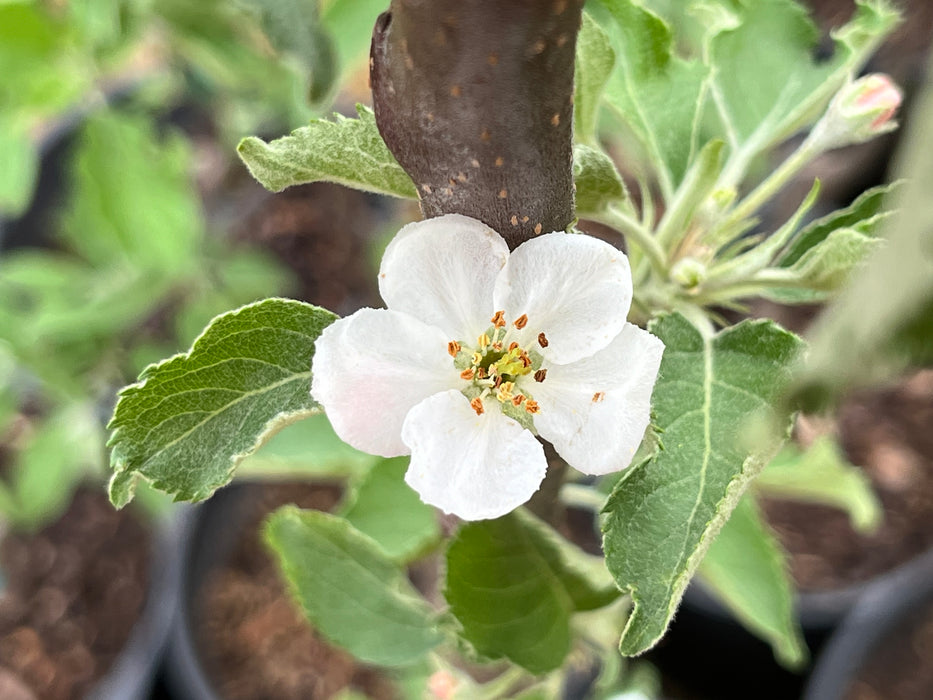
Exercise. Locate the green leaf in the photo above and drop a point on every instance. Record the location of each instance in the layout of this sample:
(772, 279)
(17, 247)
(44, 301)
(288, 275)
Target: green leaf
(863, 215)
(822, 474)
(385, 508)
(132, 198)
(349, 590)
(658, 94)
(594, 62)
(746, 568)
(63, 450)
(61, 315)
(308, 447)
(346, 151)
(825, 267)
(20, 168)
(191, 419)
(765, 81)
(881, 323)
(513, 584)
(663, 514)
(294, 28)
(597, 180)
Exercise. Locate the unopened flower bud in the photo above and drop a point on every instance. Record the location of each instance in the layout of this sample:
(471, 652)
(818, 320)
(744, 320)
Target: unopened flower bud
(688, 273)
(860, 111)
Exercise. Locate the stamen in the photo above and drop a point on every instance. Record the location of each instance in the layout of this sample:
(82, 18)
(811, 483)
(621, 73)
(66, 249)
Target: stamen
(498, 319)
(497, 381)
(476, 358)
(505, 392)
(540, 375)
(483, 341)
(512, 346)
(453, 348)
(542, 340)
(599, 396)
(468, 374)
(525, 358)
(521, 321)
(497, 346)
(481, 373)
(477, 405)
(517, 400)
(531, 406)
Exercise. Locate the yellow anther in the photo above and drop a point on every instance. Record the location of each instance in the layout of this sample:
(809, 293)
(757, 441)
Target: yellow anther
(483, 341)
(476, 358)
(504, 393)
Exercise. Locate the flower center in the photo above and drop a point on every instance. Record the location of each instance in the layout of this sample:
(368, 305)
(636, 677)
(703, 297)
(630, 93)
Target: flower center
(499, 368)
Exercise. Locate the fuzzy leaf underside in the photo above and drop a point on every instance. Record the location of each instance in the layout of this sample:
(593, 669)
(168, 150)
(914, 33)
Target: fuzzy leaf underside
(513, 584)
(597, 181)
(711, 395)
(349, 152)
(349, 589)
(594, 63)
(191, 419)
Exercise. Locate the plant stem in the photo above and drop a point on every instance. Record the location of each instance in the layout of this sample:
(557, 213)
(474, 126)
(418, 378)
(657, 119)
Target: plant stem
(475, 101)
(635, 233)
(766, 189)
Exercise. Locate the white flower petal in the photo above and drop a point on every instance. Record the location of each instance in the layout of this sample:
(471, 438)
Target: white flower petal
(476, 467)
(595, 411)
(442, 271)
(370, 368)
(573, 288)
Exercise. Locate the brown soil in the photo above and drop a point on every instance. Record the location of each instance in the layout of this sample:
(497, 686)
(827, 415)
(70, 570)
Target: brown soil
(901, 667)
(323, 233)
(889, 434)
(253, 640)
(73, 593)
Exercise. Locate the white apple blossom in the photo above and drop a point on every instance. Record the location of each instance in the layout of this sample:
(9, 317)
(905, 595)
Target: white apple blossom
(478, 351)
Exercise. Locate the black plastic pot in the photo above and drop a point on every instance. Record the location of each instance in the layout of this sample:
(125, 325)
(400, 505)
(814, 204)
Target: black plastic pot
(208, 534)
(132, 675)
(878, 613)
(711, 653)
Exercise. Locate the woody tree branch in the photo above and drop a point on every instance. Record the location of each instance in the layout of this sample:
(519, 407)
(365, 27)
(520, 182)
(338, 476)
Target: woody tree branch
(474, 98)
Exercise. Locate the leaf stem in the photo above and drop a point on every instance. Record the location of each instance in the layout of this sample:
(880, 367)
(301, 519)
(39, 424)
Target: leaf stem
(636, 233)
(766, 189)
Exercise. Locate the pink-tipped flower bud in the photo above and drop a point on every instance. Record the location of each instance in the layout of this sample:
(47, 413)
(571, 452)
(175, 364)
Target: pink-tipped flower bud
(860, 111)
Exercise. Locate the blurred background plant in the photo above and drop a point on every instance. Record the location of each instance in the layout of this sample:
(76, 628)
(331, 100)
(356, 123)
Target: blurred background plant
(130, 112)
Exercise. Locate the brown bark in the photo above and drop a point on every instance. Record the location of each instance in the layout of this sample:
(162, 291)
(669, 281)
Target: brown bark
(475, 100)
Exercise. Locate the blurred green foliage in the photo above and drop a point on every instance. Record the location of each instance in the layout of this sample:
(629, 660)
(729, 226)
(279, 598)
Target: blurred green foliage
(127, 270)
